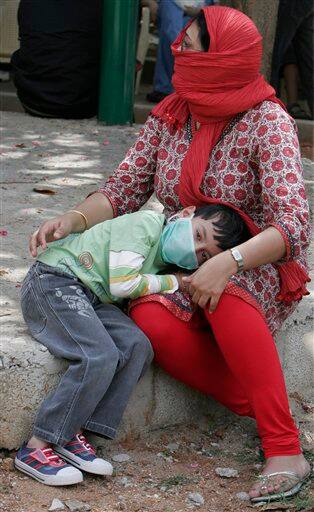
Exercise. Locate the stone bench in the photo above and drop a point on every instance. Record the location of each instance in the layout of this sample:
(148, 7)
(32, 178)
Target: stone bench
(28, 372)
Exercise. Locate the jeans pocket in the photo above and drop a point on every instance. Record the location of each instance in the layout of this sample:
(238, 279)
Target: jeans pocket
(33, 313)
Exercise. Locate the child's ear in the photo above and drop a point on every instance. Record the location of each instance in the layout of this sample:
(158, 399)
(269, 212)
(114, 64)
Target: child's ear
(188, 211)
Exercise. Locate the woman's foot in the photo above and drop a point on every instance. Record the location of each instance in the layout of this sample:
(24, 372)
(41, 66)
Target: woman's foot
(294, 463)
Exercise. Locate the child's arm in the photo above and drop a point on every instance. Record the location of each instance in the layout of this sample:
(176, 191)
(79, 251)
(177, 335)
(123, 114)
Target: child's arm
(126, 280)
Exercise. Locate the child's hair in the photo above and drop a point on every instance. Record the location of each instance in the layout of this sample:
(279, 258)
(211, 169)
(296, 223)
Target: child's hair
(229, 226)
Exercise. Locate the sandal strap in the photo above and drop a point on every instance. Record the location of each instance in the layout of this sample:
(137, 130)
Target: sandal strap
(289, 474)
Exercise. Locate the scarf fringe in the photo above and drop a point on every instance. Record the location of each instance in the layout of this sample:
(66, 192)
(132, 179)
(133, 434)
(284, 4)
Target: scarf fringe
(293, 279)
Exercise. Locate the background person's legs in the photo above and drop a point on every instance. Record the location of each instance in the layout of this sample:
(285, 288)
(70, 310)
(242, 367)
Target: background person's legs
(304, 48)
(171, 20)
(294, 28)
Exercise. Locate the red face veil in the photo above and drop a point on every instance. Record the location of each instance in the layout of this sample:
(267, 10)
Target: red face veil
(213, 87)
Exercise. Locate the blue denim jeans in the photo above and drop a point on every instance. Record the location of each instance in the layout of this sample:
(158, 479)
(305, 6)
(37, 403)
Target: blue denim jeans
(107, 354)
(171, 20)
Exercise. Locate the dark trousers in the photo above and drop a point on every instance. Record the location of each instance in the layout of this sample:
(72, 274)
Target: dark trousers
(295, 27)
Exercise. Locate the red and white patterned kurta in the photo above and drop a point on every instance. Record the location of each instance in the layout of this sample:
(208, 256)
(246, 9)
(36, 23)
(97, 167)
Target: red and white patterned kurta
(256, 166)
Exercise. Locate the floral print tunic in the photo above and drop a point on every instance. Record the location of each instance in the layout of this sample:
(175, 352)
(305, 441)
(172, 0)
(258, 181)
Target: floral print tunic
(256, 166)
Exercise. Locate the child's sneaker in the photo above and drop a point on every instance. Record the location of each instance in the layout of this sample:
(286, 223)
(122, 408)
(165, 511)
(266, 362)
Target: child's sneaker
(46, 466)
(82, 455)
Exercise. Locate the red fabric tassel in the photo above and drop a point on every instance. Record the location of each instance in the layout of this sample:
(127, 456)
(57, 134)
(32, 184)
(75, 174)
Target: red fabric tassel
(293, 278)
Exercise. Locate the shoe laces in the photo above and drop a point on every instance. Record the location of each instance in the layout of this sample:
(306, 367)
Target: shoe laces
(82, 439)
(52, 456)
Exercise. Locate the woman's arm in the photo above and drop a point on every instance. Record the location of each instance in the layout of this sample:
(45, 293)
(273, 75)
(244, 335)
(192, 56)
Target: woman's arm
(210, 280)
(126, 190)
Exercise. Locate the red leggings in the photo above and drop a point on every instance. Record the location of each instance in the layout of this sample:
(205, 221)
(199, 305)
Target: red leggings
(235, 361)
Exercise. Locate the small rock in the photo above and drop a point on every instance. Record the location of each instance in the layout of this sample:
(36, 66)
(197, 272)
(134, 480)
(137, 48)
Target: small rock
(125, 482)
(172, 447)
(243, 496)
(56, 505)
(77, 506)
(165, 457)
(227, 472)
(8, 464)
(196, 499)
(214, 444)
(121, 457)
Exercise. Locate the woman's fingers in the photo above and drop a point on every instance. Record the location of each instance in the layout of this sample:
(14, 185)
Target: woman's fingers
(213, 303)
(33, 244)
(43, 235)
(203, 301)
(196, 297)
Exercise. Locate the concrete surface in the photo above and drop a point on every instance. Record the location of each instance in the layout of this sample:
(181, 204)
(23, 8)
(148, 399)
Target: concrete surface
(71, 158)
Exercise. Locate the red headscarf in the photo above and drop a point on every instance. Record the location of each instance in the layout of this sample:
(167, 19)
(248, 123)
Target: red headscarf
(213, 87)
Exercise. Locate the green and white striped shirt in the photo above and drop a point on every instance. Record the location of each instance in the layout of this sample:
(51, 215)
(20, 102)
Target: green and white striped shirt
(116, 259)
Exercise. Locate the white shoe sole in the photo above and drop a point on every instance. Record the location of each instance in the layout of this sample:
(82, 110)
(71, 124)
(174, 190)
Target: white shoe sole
(84, 465)
(54, 480)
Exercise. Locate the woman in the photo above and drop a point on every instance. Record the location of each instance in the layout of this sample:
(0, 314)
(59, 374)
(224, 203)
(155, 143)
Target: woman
(222, 137)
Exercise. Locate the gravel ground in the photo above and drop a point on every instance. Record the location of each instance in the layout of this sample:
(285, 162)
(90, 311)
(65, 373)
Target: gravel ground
(164, 471)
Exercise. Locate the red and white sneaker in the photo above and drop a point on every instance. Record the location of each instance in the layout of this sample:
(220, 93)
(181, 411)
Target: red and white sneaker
(46, 466)
(82, 455)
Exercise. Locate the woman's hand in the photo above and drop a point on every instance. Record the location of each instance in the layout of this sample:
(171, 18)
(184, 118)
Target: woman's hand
(183, 287)
(52, 230)
(96, 208)
(209, 281)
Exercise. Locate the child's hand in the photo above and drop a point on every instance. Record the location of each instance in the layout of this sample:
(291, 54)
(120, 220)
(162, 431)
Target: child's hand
(183, 287)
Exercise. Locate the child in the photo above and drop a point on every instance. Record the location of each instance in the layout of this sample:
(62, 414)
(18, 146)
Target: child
(69, 301)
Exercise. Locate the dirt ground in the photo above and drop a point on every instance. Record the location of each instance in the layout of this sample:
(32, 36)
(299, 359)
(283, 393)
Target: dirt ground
(163, 469)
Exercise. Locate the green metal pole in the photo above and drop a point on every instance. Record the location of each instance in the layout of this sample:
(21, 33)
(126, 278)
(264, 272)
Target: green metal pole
(118, 58)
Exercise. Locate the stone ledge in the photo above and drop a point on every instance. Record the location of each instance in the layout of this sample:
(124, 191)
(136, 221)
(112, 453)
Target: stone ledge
(28, 372)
